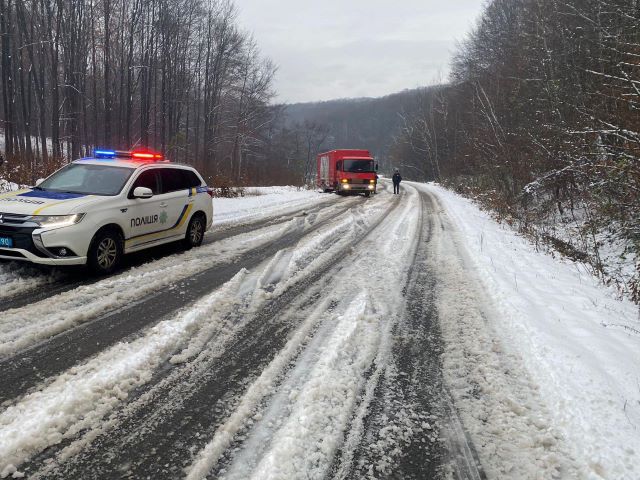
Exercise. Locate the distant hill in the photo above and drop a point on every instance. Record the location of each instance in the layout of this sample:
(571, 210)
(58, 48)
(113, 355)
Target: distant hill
(367, 123)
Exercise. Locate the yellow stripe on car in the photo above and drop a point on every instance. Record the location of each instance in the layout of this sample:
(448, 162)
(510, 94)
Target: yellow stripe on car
(186, 215)
(37, 212)
(149, 236)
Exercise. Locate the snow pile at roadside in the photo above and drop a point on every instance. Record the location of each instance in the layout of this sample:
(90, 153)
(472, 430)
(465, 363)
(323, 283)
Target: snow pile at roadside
(17, 277)
(571, 234)
(269, 201)
(7, 186)
(578, 343)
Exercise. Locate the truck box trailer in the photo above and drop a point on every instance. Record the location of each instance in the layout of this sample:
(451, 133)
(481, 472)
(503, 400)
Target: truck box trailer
(347, 171)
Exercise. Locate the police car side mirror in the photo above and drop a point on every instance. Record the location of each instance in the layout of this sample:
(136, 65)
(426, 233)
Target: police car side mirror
(142, 192)
(39, 181)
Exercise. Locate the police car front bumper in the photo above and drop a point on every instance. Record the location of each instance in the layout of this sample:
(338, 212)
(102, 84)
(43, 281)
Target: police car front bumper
(22, 255)
(60, 246)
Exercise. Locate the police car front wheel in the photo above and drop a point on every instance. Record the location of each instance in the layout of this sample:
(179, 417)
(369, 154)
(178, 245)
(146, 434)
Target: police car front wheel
(105, 252)
(195, 231)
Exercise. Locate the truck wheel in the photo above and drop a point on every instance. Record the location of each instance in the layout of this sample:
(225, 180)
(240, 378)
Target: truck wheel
(367, 194)
(195, 231)
(105, 252)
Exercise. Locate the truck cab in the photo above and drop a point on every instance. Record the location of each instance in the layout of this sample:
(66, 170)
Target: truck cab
(347, 172)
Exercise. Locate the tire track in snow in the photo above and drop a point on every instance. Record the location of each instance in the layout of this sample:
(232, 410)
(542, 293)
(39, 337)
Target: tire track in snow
(408, 432)
(174, 412)
(394, 433)
(89, 333)
(295, 432)
(318, 395)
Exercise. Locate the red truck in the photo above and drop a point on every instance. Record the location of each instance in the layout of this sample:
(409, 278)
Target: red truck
(347, 171)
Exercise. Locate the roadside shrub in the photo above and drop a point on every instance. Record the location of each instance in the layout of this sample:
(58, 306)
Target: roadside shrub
(24, 171)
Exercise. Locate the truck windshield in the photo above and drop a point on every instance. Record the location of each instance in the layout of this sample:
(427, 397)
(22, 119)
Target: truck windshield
(358, 166)
(88, 179)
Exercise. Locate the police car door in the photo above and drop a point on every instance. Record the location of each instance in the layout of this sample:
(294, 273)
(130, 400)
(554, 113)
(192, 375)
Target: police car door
(178, 200)
(144, 214)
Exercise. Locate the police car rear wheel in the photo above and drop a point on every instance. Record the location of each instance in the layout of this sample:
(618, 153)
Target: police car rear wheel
(195, 232)
(105, 252)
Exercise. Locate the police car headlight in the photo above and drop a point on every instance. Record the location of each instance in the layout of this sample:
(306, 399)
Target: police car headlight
(57, 220)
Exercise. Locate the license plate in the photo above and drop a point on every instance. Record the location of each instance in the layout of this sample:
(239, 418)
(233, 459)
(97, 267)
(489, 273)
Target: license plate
(6, 242)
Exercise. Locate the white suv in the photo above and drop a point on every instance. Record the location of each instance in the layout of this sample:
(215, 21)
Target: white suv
(94, 210)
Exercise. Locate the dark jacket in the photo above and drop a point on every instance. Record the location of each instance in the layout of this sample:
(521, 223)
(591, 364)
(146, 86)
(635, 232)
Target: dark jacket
(396, 178)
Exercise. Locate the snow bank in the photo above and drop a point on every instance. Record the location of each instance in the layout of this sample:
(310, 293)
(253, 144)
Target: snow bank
(579, 344)
(265, 202)
(18, 277)
(7, 186)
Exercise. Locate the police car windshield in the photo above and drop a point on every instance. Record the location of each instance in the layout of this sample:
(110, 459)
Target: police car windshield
(360, 166)
(105, 180)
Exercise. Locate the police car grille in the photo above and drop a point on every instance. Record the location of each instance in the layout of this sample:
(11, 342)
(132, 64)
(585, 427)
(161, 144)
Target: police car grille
(13, 219)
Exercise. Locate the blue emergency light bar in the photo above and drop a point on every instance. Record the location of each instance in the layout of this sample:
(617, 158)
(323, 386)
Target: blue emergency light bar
(101, 153)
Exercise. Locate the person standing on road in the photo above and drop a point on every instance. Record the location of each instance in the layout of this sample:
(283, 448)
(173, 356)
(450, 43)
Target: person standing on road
(396, 181)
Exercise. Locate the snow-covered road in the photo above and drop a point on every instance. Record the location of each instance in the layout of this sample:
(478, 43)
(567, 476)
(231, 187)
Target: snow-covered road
(312, 336)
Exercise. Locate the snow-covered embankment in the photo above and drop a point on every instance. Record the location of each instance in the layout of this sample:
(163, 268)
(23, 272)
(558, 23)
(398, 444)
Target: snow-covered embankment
(578, 343)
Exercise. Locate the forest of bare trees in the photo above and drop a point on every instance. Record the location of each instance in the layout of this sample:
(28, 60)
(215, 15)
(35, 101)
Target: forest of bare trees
(541, 121)
(179, 76)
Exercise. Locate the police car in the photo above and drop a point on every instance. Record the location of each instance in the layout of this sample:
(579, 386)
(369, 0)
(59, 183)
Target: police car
(95, 210)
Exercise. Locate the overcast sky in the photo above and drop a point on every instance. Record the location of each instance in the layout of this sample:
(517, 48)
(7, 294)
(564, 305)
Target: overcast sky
(356, 48)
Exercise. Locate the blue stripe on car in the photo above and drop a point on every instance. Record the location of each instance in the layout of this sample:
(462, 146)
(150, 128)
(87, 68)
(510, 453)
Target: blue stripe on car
(52, 195)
